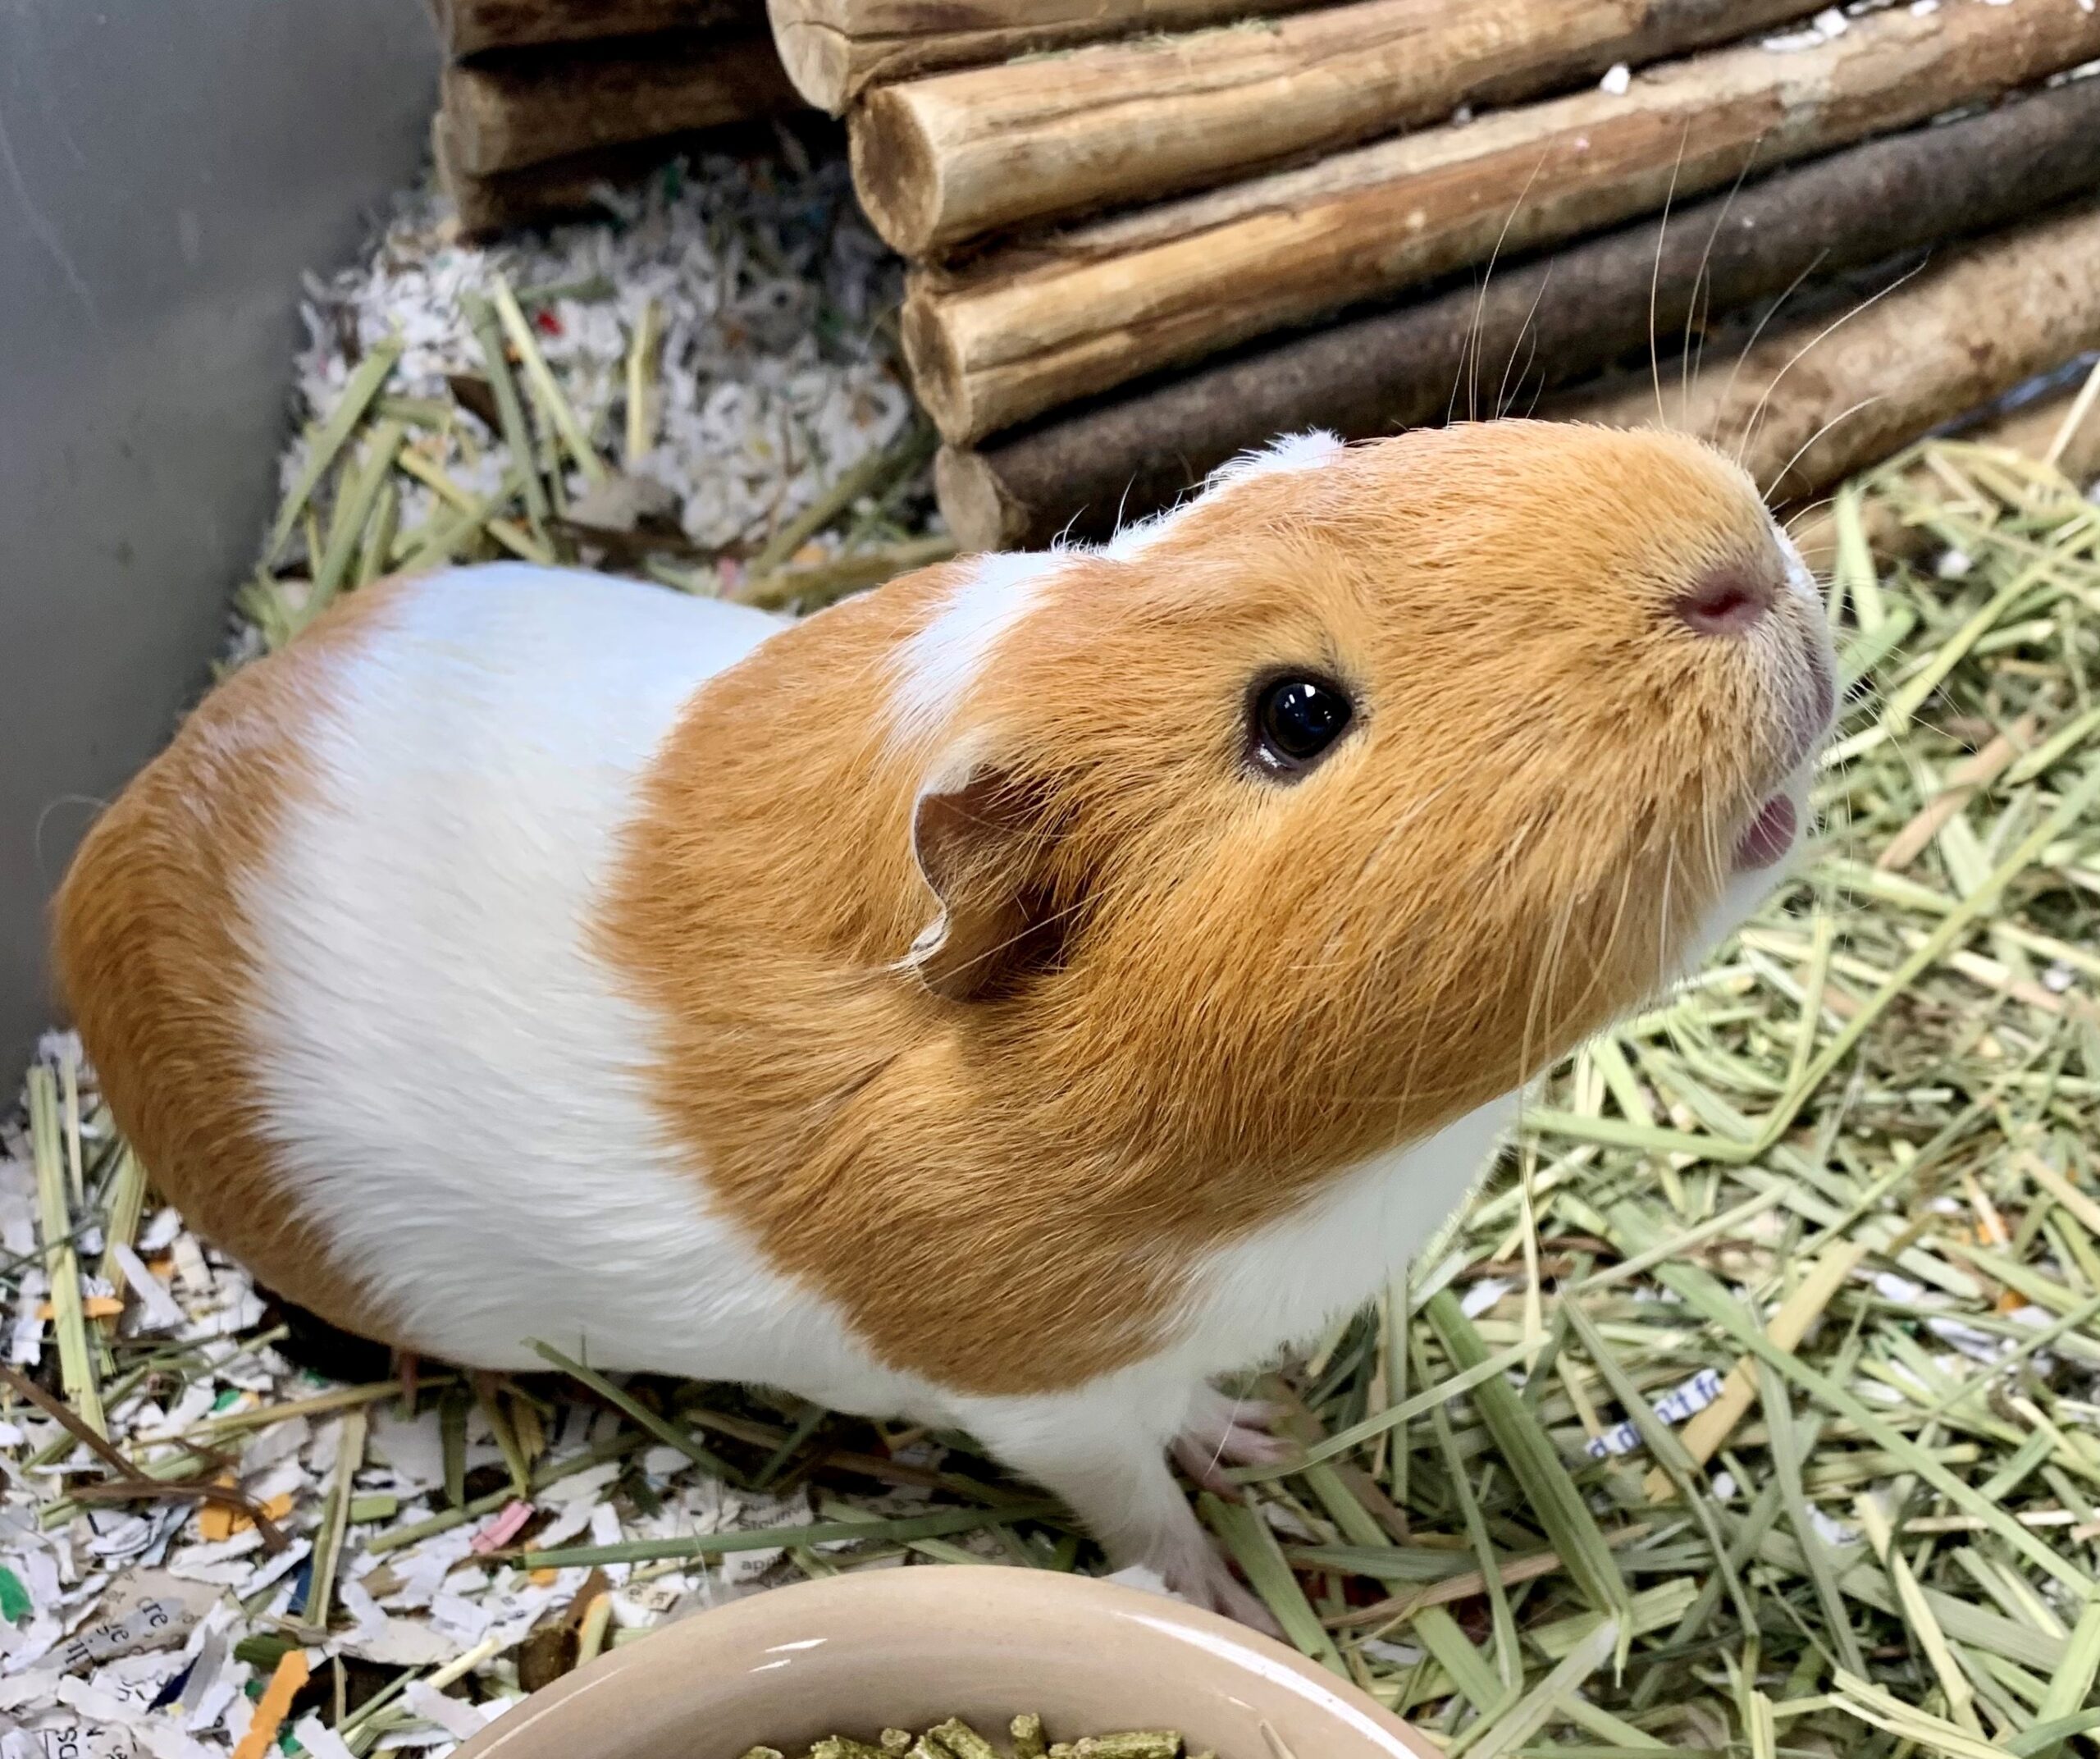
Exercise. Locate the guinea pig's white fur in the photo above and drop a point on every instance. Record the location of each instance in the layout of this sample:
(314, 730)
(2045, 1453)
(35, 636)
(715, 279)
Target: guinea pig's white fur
(453, 1088)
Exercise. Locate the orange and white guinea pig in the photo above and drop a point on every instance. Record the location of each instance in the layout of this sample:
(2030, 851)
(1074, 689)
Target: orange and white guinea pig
(1008, 999)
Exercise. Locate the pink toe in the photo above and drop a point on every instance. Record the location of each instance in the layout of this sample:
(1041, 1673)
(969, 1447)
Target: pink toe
(1256, 1447)
(1203, 1464)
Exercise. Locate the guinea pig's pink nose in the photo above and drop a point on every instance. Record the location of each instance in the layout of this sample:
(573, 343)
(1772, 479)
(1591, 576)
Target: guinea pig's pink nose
(1728, 600)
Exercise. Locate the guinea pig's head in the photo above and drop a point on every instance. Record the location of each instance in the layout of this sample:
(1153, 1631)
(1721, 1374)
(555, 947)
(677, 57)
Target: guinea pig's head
(1351, 794)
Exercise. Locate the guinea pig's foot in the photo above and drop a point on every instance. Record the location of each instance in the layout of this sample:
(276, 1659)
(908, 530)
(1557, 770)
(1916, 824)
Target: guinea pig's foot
(1203, 1579)
(1206, 1459)
(1092, 1451)
(1223, 1432)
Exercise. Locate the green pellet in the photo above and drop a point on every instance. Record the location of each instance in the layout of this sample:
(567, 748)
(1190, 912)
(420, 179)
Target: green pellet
(963, 1740)
(955, 1738)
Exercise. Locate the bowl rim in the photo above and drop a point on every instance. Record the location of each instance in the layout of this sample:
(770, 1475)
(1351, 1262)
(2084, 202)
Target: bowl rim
(677, 1647)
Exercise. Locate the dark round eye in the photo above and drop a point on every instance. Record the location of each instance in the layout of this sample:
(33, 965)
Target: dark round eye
(1297, 719)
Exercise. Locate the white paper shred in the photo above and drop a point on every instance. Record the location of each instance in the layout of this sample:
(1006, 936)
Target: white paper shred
(459, 1719)
(158, 1311)
(1679, 1404)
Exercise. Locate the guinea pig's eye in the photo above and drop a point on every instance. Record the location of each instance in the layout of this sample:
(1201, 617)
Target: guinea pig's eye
(1296, 719)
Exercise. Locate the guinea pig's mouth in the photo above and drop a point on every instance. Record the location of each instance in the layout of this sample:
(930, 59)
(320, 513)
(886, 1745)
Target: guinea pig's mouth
(1774, 828)
(1769, 838)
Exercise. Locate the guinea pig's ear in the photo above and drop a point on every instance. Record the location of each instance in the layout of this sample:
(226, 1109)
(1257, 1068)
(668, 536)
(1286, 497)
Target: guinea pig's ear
(984, 843)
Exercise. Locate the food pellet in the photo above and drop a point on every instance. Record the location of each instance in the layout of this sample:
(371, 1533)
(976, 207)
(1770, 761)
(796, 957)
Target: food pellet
(955, 1738)
(963, 1740)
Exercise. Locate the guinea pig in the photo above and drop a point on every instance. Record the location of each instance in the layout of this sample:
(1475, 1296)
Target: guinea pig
(1010, 999)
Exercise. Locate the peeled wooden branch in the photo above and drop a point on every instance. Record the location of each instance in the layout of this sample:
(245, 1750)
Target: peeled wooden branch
(468, 27)
(940, 160)
(836, 49)
(1034, 326)
(530, 109)
(1807, 407)
(571, 185)
(1551, 321)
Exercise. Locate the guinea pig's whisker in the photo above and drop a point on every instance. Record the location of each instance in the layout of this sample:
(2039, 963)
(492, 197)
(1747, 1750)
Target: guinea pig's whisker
(1803, 510)
(1544, 982)
(1525, 342)
(1780, 475)
(1757, 329)
(1656, 276)
(1756, 415)
(1694, 353)
(1663, 915)
(1469, 355)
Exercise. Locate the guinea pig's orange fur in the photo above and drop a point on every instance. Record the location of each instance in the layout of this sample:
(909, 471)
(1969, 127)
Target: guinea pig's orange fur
(1003, 1195)
(153, 954)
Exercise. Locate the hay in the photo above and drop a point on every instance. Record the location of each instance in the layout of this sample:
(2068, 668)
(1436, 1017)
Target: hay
(679, 391)
(1750, 1408)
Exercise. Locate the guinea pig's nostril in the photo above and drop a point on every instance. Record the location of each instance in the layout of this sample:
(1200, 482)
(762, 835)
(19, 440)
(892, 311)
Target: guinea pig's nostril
(1728, 600)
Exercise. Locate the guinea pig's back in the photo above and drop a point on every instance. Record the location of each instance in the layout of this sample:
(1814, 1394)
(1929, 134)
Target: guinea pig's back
(331, 955)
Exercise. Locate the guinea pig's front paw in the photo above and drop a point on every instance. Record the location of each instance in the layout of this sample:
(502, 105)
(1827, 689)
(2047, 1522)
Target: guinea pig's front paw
(1223, 1432)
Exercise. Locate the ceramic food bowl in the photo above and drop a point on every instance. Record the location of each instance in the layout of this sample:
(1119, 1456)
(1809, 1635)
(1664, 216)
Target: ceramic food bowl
(908, 1649)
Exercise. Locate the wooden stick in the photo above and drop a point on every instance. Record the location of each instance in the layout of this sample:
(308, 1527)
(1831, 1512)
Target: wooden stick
(530, 109)
(836, 49)
(1805, 407)
(471, 27)
(1548, 322)
(938, 161)
(534, 194)
(1035, 326)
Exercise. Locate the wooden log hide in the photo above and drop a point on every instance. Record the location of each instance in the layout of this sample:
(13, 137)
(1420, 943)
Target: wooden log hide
(1534, 325)
(836, 49)
(1804, 411)
(570, 187)
(472, 27)
(938, 161)
(529, 108)
(1028, 328)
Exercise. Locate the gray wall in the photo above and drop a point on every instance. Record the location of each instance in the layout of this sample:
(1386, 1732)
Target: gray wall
(167, 169)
